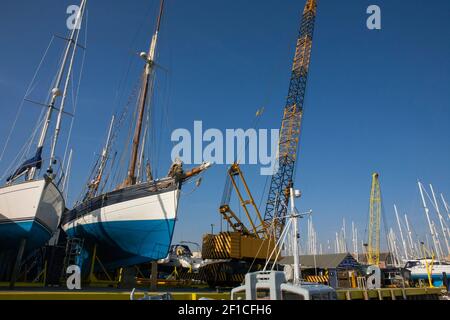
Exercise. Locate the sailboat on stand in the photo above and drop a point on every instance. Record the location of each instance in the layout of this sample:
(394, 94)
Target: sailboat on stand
(134, 223)
(31, 204)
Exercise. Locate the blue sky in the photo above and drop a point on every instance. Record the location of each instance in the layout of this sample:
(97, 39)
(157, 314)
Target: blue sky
(376, 100)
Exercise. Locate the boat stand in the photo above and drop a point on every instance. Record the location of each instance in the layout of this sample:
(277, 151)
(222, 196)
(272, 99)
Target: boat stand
(17, 264)
(94, 281)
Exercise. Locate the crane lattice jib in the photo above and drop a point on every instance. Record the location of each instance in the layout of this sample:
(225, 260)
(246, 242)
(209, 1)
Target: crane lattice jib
(373, 245)
(278, 198)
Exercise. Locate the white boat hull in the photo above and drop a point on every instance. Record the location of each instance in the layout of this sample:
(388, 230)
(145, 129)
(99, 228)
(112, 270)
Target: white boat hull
(29, 210)
(420, 272)
(127, 230)
(154, 207)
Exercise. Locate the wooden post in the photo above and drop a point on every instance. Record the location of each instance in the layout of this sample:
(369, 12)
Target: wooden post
(366, 294)
(91, 277)
(393, 295)
(348, 295)
(17, 264)
(154, 277)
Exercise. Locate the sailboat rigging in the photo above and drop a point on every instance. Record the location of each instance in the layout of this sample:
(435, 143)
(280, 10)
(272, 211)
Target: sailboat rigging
(31, 209)
(133, 223)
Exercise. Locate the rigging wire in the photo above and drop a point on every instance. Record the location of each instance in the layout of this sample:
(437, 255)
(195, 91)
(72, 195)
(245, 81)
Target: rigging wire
(151, 118)
(19, 156)
(115, 170)
(132, 60)
(124, 152)
(122, 118)
(22, 155)
(196, 181)
(28, 91)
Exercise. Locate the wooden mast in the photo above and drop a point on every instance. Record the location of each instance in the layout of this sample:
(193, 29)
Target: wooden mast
(149, 59)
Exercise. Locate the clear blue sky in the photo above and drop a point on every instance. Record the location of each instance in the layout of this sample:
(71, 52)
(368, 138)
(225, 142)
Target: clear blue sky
(376, 100)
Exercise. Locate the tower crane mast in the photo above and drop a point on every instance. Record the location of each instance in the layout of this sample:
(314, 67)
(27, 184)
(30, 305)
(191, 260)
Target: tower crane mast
(247, 247)
(282, 179)
(373, 246)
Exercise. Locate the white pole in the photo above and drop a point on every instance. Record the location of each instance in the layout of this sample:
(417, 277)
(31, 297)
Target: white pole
(55, 94)
(65, 185)
(411, 242)
(441, 252)
(315, 242)
(294, 218)
(394, 243)
(337, 243)
(445, 205)
(309, 235)
(394, 248)
(401, 233)
(344, 235)
(353, 238)
(390, 247)
(73, 41)
(441, 219)
(432, 231)
(447, 210)
(105, 150)
(428, 241)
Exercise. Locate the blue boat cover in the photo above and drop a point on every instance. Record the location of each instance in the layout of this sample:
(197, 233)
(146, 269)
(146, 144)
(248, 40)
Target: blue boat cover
(35, 162)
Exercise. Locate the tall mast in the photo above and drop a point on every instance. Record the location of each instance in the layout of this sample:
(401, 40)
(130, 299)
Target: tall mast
(344, 235)
(338, 247)
(56, 92)
(66, 86)
(105, 150)
(355, 240)
(95, 183)
(65, 182)
(445, 205)
(401, 233)
(430, 225)
(410, 240)
(149, 60)
(441, 220)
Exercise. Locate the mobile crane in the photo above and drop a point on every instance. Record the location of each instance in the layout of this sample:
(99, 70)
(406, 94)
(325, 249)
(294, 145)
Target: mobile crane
(246, 248)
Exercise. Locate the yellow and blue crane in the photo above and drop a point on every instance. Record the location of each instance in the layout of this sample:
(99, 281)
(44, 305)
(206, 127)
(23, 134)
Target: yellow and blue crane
(245, 246)
(282, 179)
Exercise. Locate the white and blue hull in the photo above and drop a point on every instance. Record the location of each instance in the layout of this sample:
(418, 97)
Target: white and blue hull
(437, 272)
(29, 210)
(130, 230)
